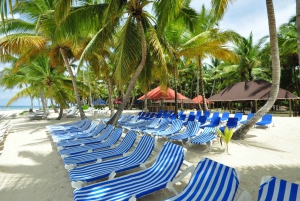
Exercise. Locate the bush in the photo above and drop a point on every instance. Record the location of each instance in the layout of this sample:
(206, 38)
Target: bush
(85, 107)
(23, 112)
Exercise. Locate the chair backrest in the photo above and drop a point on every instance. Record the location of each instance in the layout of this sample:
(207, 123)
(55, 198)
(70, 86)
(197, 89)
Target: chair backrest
(191, 117)
(225, 115)
(173, 116)
(151, 115)
(182, 117)
(98, 129)
(192, 128)
(250, 115)
(206, 113)
(232, 122)
(159, 115)
(238, 115)
(154, 123)
(210, 181)
(198, 113)
(267, 117)
(215, 114)
(215, 122)
(166, 115)
(127, 141)
(276, 189)
(202, 119)
(180, 113)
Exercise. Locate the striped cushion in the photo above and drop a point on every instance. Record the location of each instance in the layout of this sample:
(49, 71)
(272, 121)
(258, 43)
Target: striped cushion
(207, 135)
(140, 183)
(176, 126)
(103, 169)
(191, 130)
(113, 138)
(122, 148)
(211, 181)
(275, 189)
(100, 138)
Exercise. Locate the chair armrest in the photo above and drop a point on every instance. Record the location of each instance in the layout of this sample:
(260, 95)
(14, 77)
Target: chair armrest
(189, 169)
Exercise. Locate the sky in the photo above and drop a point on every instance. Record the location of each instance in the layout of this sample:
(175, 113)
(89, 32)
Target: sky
(243, 16)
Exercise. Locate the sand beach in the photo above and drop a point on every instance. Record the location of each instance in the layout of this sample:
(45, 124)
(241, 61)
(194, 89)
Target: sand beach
(32, 169)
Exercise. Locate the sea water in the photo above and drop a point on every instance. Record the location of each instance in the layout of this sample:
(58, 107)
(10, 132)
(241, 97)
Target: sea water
(3, 108)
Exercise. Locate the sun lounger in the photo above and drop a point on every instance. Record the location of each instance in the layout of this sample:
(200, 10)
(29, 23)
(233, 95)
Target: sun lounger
(81, 142)
(249, 116)
(238, 115)
(86, 125)
(207, 135)
(231, 123)
(213, 123)
(139, 184)
(80, 175)
(64, 138)
(191, 117)
(175, 127)
(191, 131)
(97, 156)
(275, 189)
(163, 125)
(214, 115)
(211, 181)
(74, 125)
(113, 139)
(266, 121)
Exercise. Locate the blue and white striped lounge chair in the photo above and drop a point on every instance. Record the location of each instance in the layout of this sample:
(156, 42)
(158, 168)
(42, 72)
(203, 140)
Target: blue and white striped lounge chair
(139, 184)
(224, 117)
(213, 123)
(134, 119)
(154, 123)
(192, 130)
(95, 139)
(75, 124)
(211, 181)
(175, 127)
(90, 132)
(238, 115)
(137, 124)
(231, 123)
(206, 113)
(79, 176)
(214, 115)
(249, 116)
(163, 125)
(275, 189)
(112, 139)
(191, 117)
(207, 135)
(97, 156)
(202, 120)
(266, 120)
(86, 125)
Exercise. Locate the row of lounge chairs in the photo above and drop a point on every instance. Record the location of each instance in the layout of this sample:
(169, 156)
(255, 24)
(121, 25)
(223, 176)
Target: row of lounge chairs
(5, 128)
(91, 155)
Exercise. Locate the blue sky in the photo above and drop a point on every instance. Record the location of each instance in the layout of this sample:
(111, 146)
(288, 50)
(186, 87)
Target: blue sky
(243, 16)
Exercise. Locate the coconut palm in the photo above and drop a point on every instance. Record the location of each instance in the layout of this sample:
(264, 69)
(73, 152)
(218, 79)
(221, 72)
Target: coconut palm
(220, 6)
(35, 37)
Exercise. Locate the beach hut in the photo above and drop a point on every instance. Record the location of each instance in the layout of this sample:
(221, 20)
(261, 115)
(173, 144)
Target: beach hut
(251, 91)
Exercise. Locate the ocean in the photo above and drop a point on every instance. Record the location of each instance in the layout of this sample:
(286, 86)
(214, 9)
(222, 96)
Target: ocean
(3, 108)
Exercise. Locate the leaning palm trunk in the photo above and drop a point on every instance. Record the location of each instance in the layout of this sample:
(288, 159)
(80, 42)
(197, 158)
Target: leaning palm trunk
(53, 105)
(110, 100)
(43, 101)
(146, 102)
(132, 82)
(61, 111)
(241, 132)
(79, 105)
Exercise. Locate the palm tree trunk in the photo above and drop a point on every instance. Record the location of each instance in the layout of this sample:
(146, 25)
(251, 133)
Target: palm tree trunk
(298, 27)
(79, 105)
(132, 100)
(132, 82)
(110, 99)
(213, 86)
(242, 131)
(61, 111)
(146, 101)
(202, 84)
(175, 90)
(53, 105)
(197, 90)
(90, 92)
(296, 80)
(43, 101)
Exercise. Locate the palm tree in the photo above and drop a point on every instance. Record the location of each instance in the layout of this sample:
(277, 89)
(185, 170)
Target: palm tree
(241, 132)
(298, 26)
(29, 39)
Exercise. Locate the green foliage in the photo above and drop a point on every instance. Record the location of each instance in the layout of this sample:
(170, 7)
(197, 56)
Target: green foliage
(21, 113)
(50, 106)
(85, 107)
(226, 136)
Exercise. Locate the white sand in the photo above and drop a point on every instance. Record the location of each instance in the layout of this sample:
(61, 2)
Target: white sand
(31, 168)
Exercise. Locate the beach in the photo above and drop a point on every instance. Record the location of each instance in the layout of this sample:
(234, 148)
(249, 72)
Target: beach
(32, 169)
